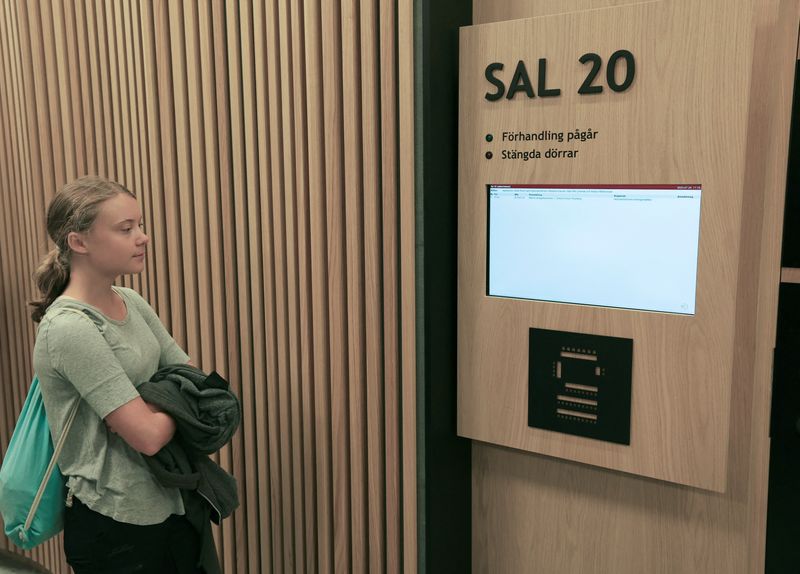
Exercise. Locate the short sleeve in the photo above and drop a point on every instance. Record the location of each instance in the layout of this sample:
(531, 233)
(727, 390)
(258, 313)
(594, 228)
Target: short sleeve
(171, 353)
(81, 355)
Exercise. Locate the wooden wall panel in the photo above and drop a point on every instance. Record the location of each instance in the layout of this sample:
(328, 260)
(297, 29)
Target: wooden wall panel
(556, 516)
(271, 146)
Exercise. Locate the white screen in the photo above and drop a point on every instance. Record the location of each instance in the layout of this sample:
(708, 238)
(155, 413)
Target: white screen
(633, 247)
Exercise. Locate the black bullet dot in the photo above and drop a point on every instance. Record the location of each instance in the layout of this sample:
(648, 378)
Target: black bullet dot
(488, 155)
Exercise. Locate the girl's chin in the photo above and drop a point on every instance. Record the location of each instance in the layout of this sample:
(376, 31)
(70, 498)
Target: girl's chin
(137, 267)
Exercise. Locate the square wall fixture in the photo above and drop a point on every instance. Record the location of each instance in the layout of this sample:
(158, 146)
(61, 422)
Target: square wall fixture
(580, 384)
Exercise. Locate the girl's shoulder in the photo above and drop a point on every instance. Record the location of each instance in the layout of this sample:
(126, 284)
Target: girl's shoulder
(64, 326)
(68, 317)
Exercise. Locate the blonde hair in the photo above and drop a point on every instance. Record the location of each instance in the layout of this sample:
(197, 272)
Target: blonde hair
(73, 208)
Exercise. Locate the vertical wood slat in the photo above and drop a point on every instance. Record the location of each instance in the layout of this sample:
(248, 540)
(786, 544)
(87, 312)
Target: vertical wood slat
(22, 148)
(84, 106)
(305, 347)
(56, 24)
(54, 96)
(34, 169)
(407, 351)
(154, 180)
(369, 50)
(196, 185)
(245, 530)
(115, 137)
(31, 226)
(317, 219)
(13, 343)
(270, 171)
(266, 142)
(168, 161)
(38, 115)
(216, 259)
(25, 206)
(139, 281)
(116, 51)
(7, 368)
(337, 298)
(264, 372)
(142, 167)
(105, 89)
(258, 535)
(391, 282)
(99, 89)
(120, 100)
(26, 227)
(286, 297)
(183, 171)
(6, 391)
(354, 270)
(74, 77)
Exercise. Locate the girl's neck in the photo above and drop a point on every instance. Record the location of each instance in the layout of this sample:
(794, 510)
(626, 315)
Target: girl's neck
(91, 289)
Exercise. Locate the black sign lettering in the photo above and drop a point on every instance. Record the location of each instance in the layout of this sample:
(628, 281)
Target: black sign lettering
(501, 88)
(521, 82)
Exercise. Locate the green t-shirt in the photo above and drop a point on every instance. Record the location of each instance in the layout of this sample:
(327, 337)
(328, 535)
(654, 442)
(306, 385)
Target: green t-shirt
(103, 361)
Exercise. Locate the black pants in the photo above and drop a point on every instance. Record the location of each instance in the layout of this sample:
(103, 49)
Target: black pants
(97, 544)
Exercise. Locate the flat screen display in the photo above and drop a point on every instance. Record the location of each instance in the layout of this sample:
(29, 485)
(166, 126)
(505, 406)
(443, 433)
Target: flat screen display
(626, 246)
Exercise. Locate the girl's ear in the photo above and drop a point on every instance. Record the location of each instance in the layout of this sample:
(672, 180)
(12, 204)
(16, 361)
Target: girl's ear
(77, 242)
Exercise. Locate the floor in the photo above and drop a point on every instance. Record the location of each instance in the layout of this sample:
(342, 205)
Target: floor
(11, 563)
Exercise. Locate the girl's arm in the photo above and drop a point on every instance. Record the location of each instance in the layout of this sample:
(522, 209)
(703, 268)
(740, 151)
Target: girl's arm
(144, 427)
(82, 356)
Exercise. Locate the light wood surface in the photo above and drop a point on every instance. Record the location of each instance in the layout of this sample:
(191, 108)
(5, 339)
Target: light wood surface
(484, 12)
(407, 112)
(538, 513)
(271, 146)
(682, 365)
(790, 275)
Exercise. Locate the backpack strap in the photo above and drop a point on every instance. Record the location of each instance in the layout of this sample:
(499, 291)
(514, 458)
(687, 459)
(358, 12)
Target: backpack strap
(50, 467)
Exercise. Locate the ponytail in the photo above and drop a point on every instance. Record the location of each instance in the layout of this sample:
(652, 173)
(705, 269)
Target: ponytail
(51, 277)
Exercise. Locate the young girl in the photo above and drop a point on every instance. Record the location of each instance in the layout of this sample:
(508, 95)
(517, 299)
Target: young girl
(95, 343)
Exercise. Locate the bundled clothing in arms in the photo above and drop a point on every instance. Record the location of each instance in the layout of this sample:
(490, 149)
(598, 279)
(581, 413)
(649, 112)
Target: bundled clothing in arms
(206, 415)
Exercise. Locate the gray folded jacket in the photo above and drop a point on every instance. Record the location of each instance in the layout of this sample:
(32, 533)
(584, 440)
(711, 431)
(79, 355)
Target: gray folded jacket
(206, 415)
(206, 412)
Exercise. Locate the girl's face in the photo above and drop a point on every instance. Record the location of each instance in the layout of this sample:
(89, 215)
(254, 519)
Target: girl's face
(115, 243)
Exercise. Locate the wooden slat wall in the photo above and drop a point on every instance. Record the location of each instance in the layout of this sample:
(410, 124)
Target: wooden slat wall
(271, 147)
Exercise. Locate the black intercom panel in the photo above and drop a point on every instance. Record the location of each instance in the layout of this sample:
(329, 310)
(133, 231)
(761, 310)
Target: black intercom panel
(580, 384)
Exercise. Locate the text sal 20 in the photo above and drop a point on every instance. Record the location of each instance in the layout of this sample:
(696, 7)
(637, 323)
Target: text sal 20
(521, 81)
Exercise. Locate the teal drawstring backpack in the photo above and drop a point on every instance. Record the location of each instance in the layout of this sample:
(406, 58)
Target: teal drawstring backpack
(31, 485)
